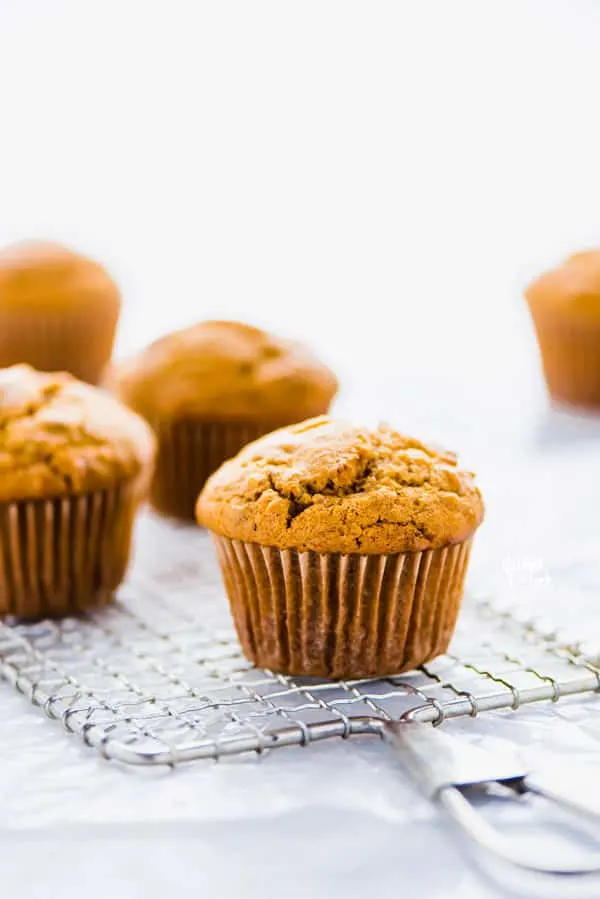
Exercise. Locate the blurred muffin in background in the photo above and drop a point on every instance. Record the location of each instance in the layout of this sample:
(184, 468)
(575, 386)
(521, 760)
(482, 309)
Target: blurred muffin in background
(58, 310)
(74, 466)
(210, 389)
(565, 307)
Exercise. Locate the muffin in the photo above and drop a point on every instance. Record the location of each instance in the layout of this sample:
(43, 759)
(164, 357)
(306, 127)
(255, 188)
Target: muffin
(58, 310)
(565, 307)
(209, 390)
(74, 465)
(343, 550)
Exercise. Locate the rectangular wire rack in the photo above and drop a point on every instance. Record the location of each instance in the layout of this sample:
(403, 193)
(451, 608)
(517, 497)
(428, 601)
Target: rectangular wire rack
(159, 678)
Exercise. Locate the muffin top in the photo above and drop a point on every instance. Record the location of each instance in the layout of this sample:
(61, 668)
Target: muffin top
(328, 486)
(220, 370)
(37, 275)
(572, 288)
(59, 436)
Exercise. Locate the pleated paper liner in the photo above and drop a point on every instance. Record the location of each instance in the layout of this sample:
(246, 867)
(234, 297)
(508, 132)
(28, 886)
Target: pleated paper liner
(79, 341)
(63, 556)
(342, 616)
(188, 453)
(571, 361)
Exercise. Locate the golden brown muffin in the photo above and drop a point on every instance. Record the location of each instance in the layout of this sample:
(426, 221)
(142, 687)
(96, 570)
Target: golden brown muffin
(210, 389)
(58, 310)
(565, 307)
(74, 465)
(343, 550)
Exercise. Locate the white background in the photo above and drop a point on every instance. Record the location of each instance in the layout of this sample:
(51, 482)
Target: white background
(379, 178)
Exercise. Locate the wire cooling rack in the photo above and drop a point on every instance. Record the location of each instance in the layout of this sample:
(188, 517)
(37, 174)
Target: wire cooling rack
(159, 678)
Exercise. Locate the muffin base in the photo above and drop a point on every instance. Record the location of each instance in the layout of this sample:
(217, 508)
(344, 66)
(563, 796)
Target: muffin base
(78, 341)
(342, 616)
(570, 360)
(62, 556)
(188, 453)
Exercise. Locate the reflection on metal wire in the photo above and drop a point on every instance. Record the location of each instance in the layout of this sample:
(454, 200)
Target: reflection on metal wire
(158, 678)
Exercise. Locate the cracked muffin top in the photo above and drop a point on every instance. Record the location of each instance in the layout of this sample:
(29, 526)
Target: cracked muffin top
(59, 436)
(328, 486)
(42, 275)
(219, 370)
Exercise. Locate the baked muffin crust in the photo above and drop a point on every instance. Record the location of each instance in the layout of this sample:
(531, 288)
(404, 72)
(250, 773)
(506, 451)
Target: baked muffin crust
(571, 289)
(220, 370)
(59, 436)
(40, 275)
(328, 486)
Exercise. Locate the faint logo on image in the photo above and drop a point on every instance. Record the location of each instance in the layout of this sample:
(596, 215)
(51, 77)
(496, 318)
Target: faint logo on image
(527, 576)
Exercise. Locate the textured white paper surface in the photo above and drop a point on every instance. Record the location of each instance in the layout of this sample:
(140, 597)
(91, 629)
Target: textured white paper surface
(341, 817)
(332, 798)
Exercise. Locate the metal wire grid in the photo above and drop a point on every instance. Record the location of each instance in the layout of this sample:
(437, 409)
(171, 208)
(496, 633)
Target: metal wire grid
(159, 678)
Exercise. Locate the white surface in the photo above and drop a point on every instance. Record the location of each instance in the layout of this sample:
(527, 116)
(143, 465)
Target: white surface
(378, 178)
(334, 815)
